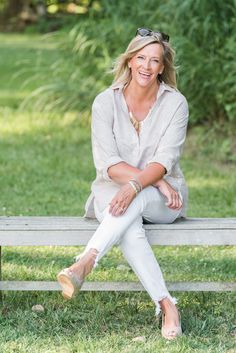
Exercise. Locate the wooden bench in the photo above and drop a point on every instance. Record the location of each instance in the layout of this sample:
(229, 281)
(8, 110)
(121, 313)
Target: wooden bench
(70, 231)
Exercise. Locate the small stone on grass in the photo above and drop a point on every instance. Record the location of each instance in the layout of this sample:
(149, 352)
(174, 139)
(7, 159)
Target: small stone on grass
(38, 308)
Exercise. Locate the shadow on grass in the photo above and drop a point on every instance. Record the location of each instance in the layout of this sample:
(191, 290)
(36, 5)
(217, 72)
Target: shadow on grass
(95, 319)
(216, 264)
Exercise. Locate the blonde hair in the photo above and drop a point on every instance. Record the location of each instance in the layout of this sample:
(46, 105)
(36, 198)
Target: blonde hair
(122, 73)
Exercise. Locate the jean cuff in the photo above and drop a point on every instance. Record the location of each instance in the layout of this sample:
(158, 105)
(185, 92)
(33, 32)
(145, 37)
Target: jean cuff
(158, 307)
(78, 257)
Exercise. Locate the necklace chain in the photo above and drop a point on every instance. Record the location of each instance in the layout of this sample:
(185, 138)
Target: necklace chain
(135, 122)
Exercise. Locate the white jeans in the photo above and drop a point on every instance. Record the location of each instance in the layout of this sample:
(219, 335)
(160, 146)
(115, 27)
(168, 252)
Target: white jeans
(127, 231)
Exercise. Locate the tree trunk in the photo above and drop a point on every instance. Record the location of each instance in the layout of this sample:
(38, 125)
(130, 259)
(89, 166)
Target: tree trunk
(13, 8)
(41, 8)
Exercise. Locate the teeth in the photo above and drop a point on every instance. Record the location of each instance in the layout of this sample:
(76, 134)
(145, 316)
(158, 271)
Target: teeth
(142, 73)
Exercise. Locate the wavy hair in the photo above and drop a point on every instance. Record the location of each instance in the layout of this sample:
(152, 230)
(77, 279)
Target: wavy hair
(122, 73)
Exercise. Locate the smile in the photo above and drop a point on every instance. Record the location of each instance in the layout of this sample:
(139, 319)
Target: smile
(144, 74)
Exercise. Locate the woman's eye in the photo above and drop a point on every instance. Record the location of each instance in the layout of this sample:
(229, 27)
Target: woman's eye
(140, 57)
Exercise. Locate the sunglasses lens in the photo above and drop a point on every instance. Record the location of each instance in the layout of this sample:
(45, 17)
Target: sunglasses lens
(143, 32)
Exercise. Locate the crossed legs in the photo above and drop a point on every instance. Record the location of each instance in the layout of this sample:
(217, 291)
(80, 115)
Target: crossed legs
(127, 231)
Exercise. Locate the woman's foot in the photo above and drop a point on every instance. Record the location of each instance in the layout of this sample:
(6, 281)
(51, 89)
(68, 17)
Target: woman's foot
(171, 323)
(71, 279)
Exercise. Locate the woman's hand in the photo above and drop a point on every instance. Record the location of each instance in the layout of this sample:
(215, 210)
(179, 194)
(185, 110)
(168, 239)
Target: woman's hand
(122, 200)
(174, 201)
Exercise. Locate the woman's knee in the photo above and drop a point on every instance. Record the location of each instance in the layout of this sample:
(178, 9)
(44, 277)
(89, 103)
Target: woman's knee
(133, 234)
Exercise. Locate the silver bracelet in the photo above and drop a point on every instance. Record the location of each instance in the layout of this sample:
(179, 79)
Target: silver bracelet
(134, 186)
(138, 182)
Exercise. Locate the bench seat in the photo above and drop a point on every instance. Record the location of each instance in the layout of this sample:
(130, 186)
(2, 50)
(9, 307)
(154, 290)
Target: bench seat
(73, 231)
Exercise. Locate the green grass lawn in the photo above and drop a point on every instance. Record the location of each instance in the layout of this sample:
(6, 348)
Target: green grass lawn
(46, 169)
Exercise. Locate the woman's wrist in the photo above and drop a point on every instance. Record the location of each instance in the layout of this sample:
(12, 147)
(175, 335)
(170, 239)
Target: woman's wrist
(159, 183)
(136, 183)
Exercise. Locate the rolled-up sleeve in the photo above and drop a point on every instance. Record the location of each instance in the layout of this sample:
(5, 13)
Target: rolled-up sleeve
(171, 144)
(105, 152)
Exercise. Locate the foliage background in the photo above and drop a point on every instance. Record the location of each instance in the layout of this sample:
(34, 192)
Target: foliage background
(201, 31)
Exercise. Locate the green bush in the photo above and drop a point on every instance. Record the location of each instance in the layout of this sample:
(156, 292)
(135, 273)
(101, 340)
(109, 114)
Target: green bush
(202, 33)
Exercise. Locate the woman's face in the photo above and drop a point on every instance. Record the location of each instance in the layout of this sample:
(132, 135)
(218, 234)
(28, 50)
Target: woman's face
(146, 64)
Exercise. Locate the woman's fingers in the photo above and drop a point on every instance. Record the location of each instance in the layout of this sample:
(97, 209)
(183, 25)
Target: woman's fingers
(112, 204)
(169, 202)
(180, 202)
(174, 198)
(118, 210)
(122, 200)
(174, 201)
(117, 207)
(115, 210)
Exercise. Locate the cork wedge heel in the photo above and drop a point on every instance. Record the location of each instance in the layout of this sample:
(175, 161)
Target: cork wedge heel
(70, 283)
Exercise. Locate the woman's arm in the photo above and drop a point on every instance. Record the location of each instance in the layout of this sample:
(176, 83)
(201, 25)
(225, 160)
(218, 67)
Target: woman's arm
(166, 157)
(122, 172)
(105, 153)
(151, 175)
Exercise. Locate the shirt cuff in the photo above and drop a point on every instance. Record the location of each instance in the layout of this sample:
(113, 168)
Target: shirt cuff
(164, 160)
(111, 161)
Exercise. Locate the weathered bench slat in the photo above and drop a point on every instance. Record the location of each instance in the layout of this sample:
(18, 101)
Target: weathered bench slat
(75, 237)
(80, 223)
(68, 231)
(78, 230)
(118, 286)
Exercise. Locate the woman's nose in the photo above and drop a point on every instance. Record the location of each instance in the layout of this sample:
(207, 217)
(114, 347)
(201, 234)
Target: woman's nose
(146, 64)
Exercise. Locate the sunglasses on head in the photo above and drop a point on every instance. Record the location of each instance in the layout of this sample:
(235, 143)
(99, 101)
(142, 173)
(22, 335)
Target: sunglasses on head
(146, 32)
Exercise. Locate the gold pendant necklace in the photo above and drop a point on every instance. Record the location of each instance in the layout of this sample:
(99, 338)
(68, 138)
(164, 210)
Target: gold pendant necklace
(137, 124)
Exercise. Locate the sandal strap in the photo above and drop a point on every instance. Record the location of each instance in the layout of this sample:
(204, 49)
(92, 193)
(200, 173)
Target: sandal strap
(75, 279)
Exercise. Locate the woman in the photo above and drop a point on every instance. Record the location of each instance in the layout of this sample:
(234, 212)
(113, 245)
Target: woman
(138, 131)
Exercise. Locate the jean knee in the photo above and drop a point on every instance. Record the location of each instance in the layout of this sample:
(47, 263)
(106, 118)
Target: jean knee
(133, 234)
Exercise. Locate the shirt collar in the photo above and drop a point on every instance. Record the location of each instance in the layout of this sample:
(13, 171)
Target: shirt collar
(163, 87)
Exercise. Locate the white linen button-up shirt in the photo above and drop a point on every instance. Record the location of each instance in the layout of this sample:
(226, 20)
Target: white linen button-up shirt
(115, 140)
